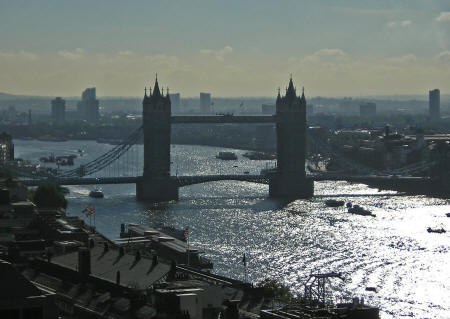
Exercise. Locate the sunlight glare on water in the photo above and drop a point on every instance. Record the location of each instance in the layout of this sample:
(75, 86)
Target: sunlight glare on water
(287, 241)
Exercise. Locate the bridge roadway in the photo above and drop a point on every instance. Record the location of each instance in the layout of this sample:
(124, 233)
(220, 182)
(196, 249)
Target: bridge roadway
(191, 180)
(226, 118)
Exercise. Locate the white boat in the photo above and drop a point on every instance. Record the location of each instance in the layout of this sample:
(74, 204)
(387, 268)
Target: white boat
(96, 193)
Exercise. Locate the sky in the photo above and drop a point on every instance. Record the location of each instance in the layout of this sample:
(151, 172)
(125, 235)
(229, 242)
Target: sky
(227, 48)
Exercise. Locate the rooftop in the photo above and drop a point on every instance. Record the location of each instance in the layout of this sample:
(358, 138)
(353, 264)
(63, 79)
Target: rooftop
(105, 264)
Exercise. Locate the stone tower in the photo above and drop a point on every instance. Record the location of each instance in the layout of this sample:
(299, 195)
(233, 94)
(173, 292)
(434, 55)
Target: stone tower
(156, 118)
(290, 179)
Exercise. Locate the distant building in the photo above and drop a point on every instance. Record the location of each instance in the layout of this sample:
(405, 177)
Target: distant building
(309, 109)
(367, 110)
(434, 104)
(268, 109)
(205, 103)
(87, 108)
(175, 101)
(58, 111)
(6, 148)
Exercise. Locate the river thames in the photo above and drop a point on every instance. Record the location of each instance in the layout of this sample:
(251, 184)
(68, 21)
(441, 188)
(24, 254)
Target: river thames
(286, 241)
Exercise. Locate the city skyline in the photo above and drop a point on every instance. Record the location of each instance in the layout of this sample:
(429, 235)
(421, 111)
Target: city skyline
(247, 48)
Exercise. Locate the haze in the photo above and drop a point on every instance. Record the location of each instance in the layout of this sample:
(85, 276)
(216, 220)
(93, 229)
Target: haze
(228, 48)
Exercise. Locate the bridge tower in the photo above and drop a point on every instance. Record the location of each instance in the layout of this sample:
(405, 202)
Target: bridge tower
(156, 184)
(290, 180)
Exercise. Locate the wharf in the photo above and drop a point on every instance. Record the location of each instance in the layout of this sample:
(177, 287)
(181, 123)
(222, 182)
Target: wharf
(165, 245)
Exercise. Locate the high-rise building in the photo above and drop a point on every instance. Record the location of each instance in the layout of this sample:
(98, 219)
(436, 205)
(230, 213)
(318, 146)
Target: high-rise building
(87, 108)
(58, 111)
(434, 104)
(205, 103)
(175, 100)
(367, 110)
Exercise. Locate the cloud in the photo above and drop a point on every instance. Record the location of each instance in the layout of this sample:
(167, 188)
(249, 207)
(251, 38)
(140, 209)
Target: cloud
(394, 24)
(21, 55)
(324, 56)
(391, 24)
(407, 58)
(406, 23)
(443, 57)
(6, 55)
(72, 55)
(219, 54)
(125, 53)
(206, 51)
(443, 17)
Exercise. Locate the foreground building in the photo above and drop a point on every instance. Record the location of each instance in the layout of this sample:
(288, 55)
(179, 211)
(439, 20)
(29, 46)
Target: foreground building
(6, 148)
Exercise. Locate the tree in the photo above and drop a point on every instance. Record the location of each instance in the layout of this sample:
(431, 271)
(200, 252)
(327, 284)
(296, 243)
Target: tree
(276, 289)
(49, 195)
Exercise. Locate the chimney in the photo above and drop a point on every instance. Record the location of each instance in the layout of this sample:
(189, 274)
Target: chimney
(84, 261)
(118, 277)
(137, 256)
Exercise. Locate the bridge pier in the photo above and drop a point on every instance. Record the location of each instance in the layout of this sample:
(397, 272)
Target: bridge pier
(157, 190)
(290, 187)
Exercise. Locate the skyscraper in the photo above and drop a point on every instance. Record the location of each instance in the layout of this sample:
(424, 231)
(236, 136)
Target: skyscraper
(58, 111)
(434, 104)
(205, 103)
(175, 101)
(87, 108)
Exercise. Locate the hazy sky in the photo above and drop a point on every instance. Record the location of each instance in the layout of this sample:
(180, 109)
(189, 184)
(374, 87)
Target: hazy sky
(228, 48)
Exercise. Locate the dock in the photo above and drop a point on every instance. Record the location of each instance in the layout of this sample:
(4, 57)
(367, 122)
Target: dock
(164, 244)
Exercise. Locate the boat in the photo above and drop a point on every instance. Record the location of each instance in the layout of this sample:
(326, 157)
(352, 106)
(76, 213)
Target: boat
(358, 210)
(259, 156)
(66, 160)
(96, 193)
(334, 203)
(50, 159)
(246, 172)
(226, 156)
(436, 230)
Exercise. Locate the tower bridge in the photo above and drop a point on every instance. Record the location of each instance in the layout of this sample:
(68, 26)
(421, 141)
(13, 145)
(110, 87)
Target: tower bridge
(290, 180)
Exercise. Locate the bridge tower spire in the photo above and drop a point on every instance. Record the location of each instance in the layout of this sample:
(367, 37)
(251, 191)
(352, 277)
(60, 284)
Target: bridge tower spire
(156, 184)
(290, 180)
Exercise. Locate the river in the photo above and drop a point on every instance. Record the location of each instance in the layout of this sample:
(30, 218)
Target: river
(286, 241)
